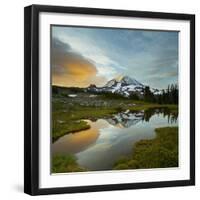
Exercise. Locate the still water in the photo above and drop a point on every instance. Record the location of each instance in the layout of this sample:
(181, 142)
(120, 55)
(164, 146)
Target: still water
(109, 139)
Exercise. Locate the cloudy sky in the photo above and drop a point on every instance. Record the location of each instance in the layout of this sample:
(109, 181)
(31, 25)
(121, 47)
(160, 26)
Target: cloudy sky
(84, 56)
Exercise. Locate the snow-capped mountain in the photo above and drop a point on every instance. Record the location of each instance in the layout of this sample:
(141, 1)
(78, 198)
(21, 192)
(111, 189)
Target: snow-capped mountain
(123, 85)
(123, 80)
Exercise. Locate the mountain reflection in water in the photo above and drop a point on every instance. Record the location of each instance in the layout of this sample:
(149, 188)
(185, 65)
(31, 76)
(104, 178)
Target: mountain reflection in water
(127, 118)
(108, 139)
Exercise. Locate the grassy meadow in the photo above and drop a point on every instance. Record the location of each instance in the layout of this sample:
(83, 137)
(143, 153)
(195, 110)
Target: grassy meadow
(160, 152)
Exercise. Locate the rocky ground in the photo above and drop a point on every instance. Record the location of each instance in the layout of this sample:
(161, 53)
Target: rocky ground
(86, 99)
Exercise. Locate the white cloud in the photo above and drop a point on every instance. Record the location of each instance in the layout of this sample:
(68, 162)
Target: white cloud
(89, 49)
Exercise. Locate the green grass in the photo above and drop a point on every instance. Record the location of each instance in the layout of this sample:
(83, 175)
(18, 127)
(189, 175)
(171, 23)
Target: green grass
(80, 112)
(160, 152)
(61, 129)
(65, 163)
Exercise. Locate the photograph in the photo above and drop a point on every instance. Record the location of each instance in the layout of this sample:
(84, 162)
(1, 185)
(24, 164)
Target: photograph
(114, 99)
(109, 99)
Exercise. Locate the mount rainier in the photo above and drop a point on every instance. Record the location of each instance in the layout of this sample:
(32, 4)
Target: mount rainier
(123, 85)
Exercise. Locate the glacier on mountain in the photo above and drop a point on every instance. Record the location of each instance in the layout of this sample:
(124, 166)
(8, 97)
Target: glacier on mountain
(123, 85)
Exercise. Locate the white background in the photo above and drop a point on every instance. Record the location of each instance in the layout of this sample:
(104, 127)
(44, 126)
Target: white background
(11, 100)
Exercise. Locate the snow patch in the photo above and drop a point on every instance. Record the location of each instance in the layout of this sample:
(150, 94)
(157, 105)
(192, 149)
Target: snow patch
(72, 95)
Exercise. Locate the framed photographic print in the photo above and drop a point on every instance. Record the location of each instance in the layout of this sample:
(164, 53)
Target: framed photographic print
(109, 100)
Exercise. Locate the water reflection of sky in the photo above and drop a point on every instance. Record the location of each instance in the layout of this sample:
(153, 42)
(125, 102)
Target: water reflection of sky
(100, 146)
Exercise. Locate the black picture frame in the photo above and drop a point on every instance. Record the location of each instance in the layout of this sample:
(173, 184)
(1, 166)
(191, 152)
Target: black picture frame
(31, 98)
